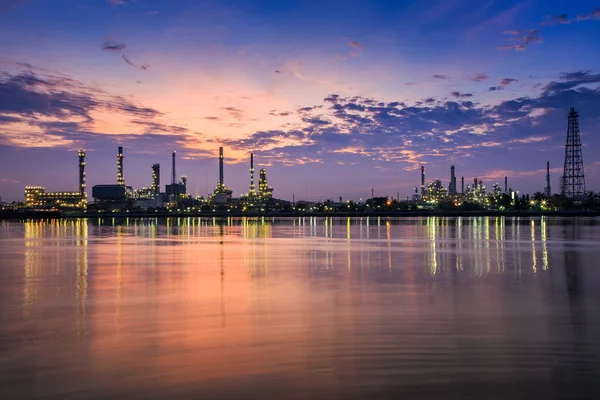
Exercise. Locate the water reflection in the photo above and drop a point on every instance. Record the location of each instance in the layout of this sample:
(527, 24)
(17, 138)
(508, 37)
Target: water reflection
(300, 308)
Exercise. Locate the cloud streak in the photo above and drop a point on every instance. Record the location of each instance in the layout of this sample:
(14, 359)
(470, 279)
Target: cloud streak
(521, 39)
(110, 46)
(593, 15)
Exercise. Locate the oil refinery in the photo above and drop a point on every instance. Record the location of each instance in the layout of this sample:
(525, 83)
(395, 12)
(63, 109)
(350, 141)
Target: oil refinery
(118, 196)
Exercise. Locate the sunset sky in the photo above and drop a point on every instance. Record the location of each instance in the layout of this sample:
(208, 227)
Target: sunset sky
(333, 97)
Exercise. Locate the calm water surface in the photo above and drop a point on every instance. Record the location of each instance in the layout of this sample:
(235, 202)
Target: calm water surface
(432, 308)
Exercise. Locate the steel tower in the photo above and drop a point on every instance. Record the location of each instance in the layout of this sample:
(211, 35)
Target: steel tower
(573, 180)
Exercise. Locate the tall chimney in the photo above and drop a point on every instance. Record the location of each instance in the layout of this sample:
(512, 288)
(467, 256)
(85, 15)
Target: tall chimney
(452, 181)
(252, 189)
(462, 184)
(81, 155)
(173, 172)
(221, 166)
(422, 180)
(156, 179)
(548, 189)
(120, 177)
(506, 185)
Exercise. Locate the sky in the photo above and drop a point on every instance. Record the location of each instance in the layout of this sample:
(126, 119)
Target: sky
(334, 98)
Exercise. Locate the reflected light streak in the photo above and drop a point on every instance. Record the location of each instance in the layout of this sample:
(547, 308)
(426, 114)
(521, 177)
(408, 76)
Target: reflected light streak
(431, 235)
(389, 244)
(81, 284)
(544, 244)
(533, 255)
(33, 234)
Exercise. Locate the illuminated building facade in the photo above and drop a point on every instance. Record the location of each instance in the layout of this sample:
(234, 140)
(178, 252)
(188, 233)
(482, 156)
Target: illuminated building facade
(37, 197)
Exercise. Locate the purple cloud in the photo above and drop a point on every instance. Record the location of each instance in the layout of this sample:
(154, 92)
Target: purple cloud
(356, 45)
(557, 19)
(521, 39)
(459, 95)
(128, 61)
(595, 15)
(571, 80)
(479, 77)
(109, 45)
(406, 133)
(507, 81)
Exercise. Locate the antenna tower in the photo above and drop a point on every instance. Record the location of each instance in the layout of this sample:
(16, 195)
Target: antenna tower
(573, 180)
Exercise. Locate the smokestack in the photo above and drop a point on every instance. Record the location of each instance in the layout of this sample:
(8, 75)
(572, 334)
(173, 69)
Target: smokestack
(452, 181)
(120, 177)
(548, 189)
(462, 184)
(81, 155)
(506, 185)
(422, 180)
(156, 179)
(252, 189)
(173, 172)
(221, 166)
(474, 183)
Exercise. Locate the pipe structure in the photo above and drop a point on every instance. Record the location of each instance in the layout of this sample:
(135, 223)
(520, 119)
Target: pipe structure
(506, 185)
(462, 184)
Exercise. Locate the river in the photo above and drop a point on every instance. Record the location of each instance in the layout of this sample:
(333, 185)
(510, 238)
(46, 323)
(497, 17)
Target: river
(304, 308)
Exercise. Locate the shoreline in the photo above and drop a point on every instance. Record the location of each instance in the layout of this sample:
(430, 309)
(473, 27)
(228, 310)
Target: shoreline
(220, 214)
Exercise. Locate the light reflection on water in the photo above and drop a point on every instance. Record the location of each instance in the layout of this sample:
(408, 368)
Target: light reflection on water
(434, 307)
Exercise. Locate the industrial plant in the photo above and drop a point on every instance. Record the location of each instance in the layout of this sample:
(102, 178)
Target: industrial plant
(259, 198)
(36, 197)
